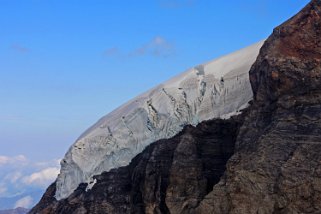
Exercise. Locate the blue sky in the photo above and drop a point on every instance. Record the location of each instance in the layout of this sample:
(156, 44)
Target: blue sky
(66, 63)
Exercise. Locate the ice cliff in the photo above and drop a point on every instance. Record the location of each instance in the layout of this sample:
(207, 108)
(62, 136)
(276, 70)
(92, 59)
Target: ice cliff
(217, 89)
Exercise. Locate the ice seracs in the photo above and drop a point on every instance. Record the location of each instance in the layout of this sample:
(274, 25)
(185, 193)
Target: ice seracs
(218, 89)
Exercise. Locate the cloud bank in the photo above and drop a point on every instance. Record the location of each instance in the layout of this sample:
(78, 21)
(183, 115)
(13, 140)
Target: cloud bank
(42, 178)
(21, 178)
(25, 202)
(19, 159)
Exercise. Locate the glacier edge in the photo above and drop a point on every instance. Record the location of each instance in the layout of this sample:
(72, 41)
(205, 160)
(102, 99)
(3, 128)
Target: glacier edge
(217, 89)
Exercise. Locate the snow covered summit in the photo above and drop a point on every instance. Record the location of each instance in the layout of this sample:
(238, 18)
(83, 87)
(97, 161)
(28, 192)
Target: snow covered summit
(218, 89)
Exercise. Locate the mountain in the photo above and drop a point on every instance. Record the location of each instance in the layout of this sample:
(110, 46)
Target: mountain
(217, 89)
(18, 210)
(203, 149)
(194, 160)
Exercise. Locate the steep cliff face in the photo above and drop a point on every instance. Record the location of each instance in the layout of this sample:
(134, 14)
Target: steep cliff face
(277, 164)
(266, 160)
(169, 176)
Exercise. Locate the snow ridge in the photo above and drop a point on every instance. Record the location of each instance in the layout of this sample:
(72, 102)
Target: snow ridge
(217, 89)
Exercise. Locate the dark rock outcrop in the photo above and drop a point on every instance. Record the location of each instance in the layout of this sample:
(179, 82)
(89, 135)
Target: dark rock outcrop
(169, 176)
(276, 165)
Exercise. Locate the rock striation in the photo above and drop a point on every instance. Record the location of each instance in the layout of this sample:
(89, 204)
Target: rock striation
(265, 160)
(169, 176)
(276, 166)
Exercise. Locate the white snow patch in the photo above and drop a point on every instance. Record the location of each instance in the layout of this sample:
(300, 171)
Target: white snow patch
(217, 89)
(91, 184)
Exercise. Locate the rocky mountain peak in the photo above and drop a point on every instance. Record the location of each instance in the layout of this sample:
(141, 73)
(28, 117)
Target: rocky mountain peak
(299, 37)
(264, 160)
(289, 62)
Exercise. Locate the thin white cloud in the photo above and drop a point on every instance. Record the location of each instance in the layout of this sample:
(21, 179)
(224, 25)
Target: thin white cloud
(19, 159)
(176, 4)
(46, 164)
(111, 52)
(158, 47)
(4, 160)
(3, 189)
(24, 202)
(19, 48)
(13, 177)
(42, 178)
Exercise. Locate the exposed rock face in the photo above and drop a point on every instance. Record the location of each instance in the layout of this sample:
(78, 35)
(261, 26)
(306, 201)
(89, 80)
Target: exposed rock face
(169, 176)
(276, 165)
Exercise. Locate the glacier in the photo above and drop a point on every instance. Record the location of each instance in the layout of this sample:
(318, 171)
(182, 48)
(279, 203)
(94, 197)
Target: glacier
(217, 89)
